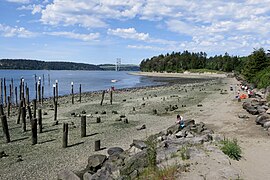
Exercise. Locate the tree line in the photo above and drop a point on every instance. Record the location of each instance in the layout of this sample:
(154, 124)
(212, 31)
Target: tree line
(254, 67)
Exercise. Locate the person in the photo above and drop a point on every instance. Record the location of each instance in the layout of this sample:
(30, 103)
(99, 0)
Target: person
(180, 121)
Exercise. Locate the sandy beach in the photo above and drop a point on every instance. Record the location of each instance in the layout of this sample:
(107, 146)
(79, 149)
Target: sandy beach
(218, 111)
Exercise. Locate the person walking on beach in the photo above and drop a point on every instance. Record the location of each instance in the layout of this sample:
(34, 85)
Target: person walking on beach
(180, 121)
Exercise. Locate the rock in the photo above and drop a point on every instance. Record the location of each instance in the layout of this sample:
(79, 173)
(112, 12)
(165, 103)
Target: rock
(118, 119)
(268, 111)
(133, 150)
(266, 124)
(261, 110)
(246, 105)
(114, 112)
(200, 127)
(189, 135)
(261, 119)
(199, 105)
(141, 127)
(180, 134)
(189, 122)
(102, 174)
(265, 107)
(83, 112)
(114, 151)
(252, 110)
(3, 154)
(45, 113)
(103, 112)
(122, 116)
(135, 163)
(67, 175)
(139, 144)
(96, 161)
(243, 116)
(87, 176)
(125, 120)
(72, 114)
(55, 123)
(173, 129)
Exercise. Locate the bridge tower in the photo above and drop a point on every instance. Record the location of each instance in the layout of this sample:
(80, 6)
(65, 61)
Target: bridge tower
(118, 64)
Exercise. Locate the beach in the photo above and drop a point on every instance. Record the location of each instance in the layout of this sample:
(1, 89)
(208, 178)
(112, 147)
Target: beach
(219, 111)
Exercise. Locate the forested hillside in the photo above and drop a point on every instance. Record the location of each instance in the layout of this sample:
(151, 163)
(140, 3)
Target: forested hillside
(40, 65)
(255, 67)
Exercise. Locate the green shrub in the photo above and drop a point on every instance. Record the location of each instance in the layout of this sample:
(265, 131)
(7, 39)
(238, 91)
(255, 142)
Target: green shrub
(169, 173)
(184, 153)
(151, 152)
(231, 148)
(263, 78)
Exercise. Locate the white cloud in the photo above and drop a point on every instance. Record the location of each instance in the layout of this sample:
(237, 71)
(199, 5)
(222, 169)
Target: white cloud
(72, 35)
(34, 8)
(146, 47)
(19, 1)
(8, 31)
(129, 33)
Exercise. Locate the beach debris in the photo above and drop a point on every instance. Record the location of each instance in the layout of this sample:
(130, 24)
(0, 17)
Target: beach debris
(143, 104)
(103, 112)
(199, 105)
(3, 154)
(96, 112)
(243, 116)
(83, 126)
(114, 112)
(45, 113)
(19, 158)
(126, 120)
(55, 123)
(83, 112)
(65, 135)
(133, 109)
(122, 116)
(95, 162)
(98, 119)
(154, 111)
(97, 146)
(124, 100)
(141, 127)
(73, 114)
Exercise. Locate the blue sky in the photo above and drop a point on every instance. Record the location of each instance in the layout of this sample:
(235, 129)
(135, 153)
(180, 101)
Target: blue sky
(95, 32)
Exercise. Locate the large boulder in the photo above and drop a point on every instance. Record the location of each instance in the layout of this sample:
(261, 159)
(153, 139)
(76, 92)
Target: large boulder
(67, 175)
(252, 110)
(173, 129)
(114, 151)
(261, 110)
(261, 119)
(246, 105)
(96, 161)
(266, 124)
(134, 163)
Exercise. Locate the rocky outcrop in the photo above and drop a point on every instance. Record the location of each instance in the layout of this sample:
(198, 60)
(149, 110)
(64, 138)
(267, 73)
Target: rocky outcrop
(130, 163)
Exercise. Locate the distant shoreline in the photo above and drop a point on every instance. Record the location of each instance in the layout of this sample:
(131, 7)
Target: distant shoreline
(180, 75)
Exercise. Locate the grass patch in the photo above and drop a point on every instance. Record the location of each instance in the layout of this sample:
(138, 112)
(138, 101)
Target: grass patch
(231, 148)
(268, 98)
(169, 173)
(184, 153)
(205, 71)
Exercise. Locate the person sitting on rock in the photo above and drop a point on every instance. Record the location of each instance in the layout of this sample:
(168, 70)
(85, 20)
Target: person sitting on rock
(180, 121)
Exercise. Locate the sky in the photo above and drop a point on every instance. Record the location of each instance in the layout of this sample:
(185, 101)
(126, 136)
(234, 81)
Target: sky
(101, 31)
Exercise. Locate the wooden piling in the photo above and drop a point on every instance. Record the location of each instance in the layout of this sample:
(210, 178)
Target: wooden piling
(19, 114)
(39, 91)
(55, 110)
(54, 93)
(1, 93)
(8, 106)
(5, 128)
(1, 110)
(83, 126)
(42, 94)
(65, 135)
(102, 98)
(56, 87)
(34, 131)
(16, 96)
(36, 90)
(40, 120)
(97, 145)
(5, 92)
(35, 108)
(23, 111)
(80, 91)
(111, 96)
(27, 96)
(72, 93)
(12, 91)
(29, 112)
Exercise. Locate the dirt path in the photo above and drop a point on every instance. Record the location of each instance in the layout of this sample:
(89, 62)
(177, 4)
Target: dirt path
(220, 112)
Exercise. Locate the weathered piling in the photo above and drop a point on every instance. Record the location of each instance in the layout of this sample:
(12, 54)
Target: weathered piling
(65, 135)
(35, 108)
(102, 98)
(8, 106)
(29, 112)
(40, 120)
(19, 113)
(5, 92)
(83, 126)
(54, 93)
(56, 87)
(5, 128)
(34, 131)
(97, 145)
(27, 96)
(23, 111)
(36, 95)
(1, 110)
(72, 93)
(16, 96)
(12, 91)
(39, 90)
(42, 94)
(111, 96)
(80, 92)
(1, 93)
(55, 110)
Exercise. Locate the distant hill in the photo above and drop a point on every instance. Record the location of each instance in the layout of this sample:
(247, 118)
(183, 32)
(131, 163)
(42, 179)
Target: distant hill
(43, 65)
(123, 67)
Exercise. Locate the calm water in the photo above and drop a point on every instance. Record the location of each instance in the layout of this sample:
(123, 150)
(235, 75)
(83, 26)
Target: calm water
(90, 80)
